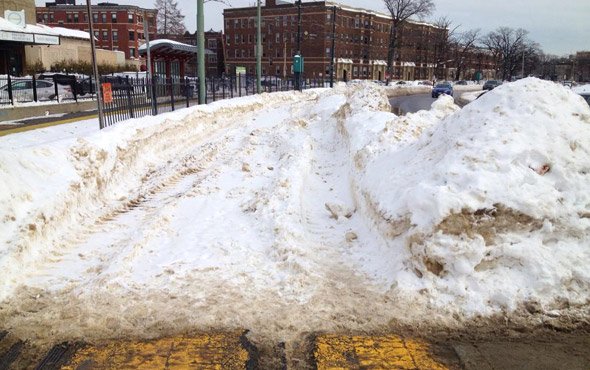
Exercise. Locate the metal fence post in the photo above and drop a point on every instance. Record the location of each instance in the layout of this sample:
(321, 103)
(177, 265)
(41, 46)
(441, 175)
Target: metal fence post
(10, 97)
(34, 89)
(154, 96)
(129, 104)
(213, 87)
(199, 93)
(231, 87)
(186, 91)
(223, 81)
(171, 93)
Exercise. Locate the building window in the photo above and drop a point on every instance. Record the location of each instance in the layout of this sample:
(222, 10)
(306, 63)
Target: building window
(212, 43)
(69, 18)
(243, 53)
(104, 17)
(237, 39)
(114, 17)
(115, 35)
(237, 53)
(96, 35)
(278, 38)
(105, 35)
(76, 18)
(357, 23)
(131, 36)
(95, 17)
(130, 17)
(249, 38)
(132, 52)
(328, 51)
(85, 17)
(212, 58)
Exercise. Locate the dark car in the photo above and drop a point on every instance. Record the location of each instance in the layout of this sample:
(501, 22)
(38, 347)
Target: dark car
(462, 82)
(491, 84)
(442, 88)
(586, 96)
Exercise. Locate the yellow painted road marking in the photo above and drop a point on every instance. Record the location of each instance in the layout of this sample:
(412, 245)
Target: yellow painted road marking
(336, 352)
(207, 351)
(43, 125)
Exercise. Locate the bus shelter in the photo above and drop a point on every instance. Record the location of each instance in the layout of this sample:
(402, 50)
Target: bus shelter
(169, 57)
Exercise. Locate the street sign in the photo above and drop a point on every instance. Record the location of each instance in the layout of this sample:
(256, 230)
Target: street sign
(298, 64)
(107, 92)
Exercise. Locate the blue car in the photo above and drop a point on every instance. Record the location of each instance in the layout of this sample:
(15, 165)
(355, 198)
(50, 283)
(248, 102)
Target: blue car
(442, 88)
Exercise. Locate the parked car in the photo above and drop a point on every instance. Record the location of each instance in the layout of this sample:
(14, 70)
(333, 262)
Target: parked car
(491, 84)
(442, 88)
(425, 83)
(462, 82)
(22, 90)
(586, 96)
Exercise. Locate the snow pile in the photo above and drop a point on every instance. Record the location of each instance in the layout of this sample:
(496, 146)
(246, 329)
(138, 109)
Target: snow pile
(295, 212)
(584, 89)
(492, 202)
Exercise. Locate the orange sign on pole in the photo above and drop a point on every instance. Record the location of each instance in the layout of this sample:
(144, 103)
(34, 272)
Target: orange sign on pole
(107, 92)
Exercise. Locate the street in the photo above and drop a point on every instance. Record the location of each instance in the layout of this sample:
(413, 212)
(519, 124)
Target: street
(411, 104)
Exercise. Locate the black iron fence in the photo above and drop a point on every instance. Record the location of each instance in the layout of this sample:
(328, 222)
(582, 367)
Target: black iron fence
(139, 97)
(134, 97)
(45, 87)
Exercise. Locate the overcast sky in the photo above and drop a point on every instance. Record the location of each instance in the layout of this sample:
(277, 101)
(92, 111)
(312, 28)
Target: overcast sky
(561, 27)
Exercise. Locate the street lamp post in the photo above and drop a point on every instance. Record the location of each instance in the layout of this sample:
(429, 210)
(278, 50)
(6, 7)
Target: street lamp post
(258, 49)
(201, 50)
(95, 67)
(332, 50)
(297, 73)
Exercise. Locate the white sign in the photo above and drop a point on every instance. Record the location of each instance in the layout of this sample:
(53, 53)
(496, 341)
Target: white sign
(46, 40)
(16, 36)
(14, 17)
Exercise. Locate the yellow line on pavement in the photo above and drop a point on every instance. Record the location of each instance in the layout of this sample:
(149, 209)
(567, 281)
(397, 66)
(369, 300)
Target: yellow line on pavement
(43, 125)
(372, 352)
(206, 351)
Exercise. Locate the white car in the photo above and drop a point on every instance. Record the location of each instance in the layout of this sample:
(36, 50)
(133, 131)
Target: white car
(22, 90)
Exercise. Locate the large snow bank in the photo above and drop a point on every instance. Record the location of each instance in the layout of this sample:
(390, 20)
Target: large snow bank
(289, 213)
(491, 204)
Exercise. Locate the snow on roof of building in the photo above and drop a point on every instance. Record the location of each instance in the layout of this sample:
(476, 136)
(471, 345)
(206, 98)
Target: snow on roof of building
(41, 29)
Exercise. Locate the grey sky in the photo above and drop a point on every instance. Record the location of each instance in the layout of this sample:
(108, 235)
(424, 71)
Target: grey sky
(561, 27)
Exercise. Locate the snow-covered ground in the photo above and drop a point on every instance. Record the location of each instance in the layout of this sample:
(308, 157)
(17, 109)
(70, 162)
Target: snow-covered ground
(294, 212)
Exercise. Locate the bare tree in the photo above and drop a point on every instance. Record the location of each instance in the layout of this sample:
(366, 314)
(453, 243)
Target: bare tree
(401, 11)
(507, 44)
(443, 40)
(170, 19)
(466, 43)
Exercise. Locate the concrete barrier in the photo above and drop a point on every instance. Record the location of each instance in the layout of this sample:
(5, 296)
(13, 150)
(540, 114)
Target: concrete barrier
(37, 110)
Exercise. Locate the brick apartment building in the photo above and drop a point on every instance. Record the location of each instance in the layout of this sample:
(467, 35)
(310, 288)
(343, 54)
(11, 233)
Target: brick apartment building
(361, 41)
(116, 27)
(214, 63)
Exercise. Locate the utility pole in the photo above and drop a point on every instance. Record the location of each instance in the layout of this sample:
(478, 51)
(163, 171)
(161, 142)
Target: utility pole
(148, 62)
(258, 49)
(284, 57)
(298, 74)
(332, 50)
(522, 72)
(95, 67)
(201, 50)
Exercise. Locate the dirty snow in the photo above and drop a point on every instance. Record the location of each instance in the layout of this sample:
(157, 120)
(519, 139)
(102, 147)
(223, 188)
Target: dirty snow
(291, 212)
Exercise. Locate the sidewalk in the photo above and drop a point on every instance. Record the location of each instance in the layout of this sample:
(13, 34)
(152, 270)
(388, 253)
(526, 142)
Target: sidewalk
(233, 350)
(34, 123)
